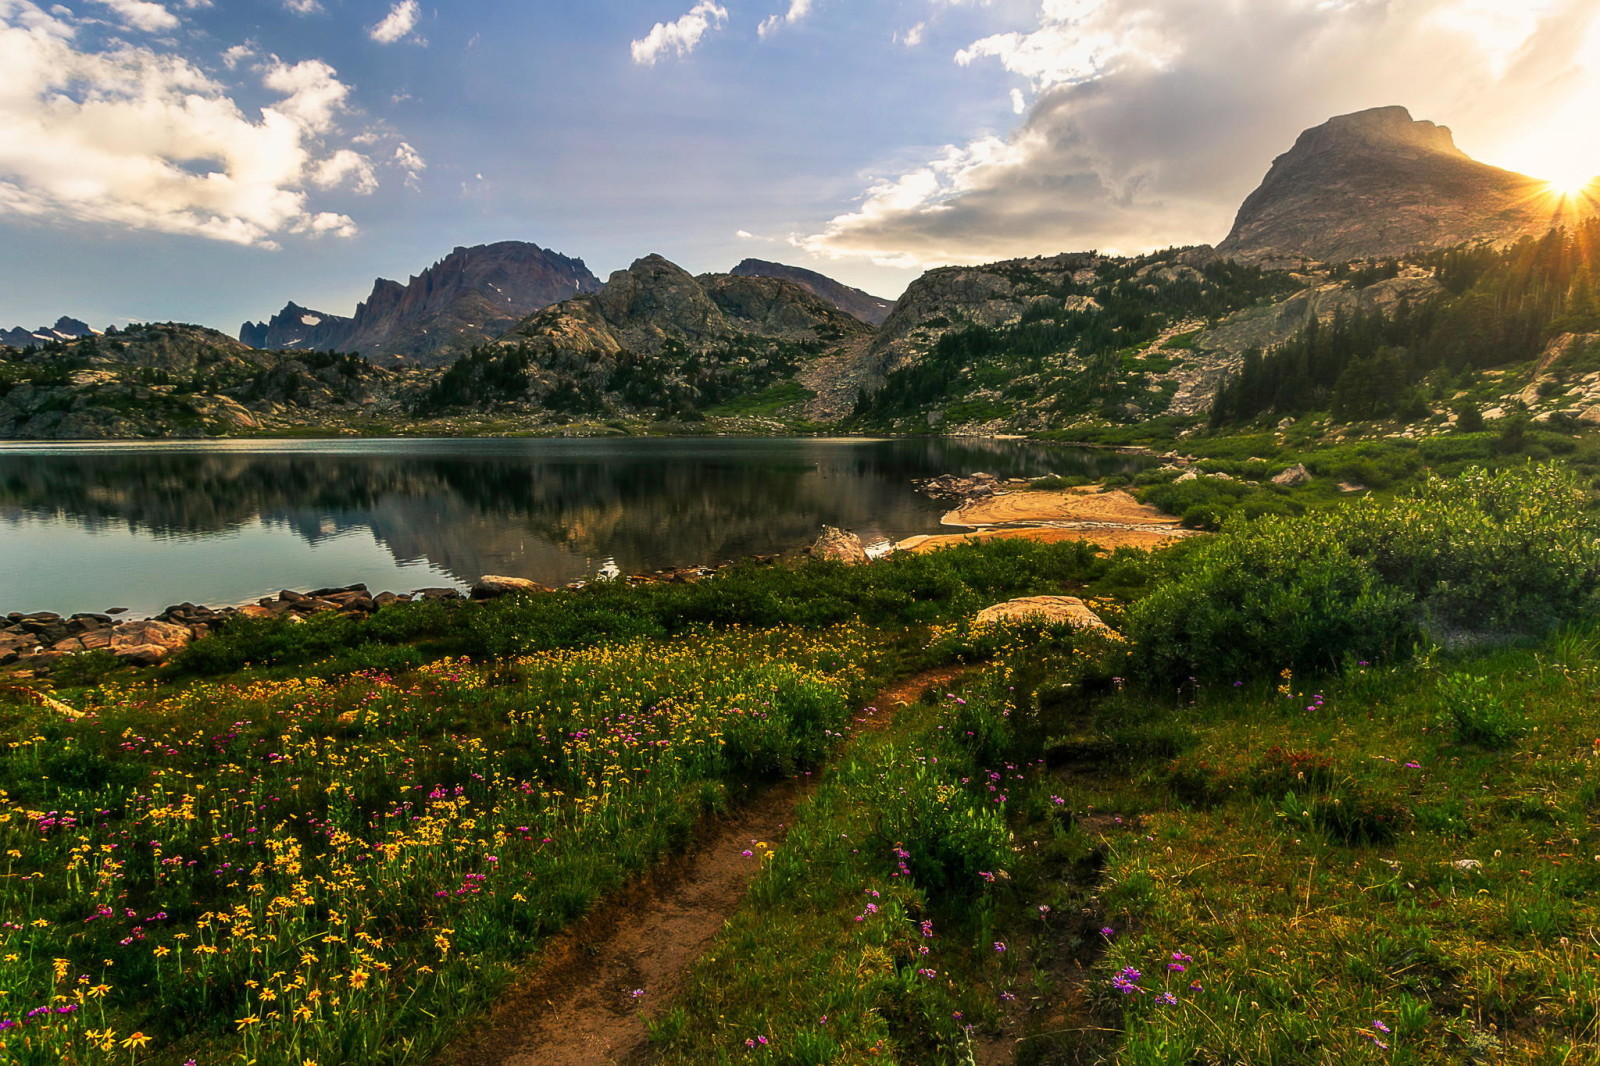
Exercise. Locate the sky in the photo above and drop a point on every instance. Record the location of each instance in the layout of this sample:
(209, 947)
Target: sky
(209, 160)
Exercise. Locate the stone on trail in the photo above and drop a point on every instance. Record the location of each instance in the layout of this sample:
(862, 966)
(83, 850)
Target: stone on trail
(1047, 609)
(491, 585)
(840, 546)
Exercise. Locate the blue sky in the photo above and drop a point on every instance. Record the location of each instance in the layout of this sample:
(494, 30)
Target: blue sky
(208, 160)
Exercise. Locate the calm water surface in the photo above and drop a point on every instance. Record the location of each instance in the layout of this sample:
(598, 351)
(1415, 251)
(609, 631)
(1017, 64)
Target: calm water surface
(86, 527)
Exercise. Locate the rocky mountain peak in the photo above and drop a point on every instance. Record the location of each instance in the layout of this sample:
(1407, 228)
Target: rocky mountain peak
(469, 296)
(65, 329)
(862, 305)
(1380, 128)
(1379, 184)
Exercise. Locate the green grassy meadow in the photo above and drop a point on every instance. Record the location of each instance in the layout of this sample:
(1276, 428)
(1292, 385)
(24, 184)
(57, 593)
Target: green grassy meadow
(1330, 793)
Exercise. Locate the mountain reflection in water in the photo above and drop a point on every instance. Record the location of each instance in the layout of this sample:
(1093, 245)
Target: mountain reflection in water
(146, 525)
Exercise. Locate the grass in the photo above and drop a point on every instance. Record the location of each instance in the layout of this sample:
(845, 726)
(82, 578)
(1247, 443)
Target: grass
(1301, 872)
(334, 871)
(338, 840)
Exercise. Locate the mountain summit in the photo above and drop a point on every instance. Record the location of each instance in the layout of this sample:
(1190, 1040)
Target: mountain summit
(1376, 184)
(863, 305)
(466, 298)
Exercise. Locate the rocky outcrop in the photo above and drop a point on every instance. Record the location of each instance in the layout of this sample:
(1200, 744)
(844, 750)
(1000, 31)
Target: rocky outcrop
(655, 303)
(1045, 610)
(148, 641)
(470, 296)
(491, 586)
(1377, 184)
(1217, 350)
(863, 305)
(65, 329)
(839, 546)
(175, 380)
(1293, 477)
(952, 298)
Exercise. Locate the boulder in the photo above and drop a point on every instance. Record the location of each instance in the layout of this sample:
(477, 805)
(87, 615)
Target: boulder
(1187, 475)
(255, 610)
(491, 585)
(142, 654)
(1295, 476)
(148, 641)
(840, 546)
(1047, 609)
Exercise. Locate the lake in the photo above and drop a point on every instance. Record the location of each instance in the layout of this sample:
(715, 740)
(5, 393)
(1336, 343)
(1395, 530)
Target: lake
(88, 527)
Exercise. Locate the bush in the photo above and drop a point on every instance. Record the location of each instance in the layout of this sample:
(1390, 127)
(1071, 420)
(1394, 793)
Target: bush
(1274, 595)
(1511, 549)
(1475, 713)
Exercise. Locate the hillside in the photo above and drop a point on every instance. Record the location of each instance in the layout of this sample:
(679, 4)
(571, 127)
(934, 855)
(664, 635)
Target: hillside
(655, 340)
(174, 380)
(863, 305)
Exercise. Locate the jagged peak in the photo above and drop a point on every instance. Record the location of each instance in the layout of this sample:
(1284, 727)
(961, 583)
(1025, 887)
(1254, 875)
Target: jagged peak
(1379, 127)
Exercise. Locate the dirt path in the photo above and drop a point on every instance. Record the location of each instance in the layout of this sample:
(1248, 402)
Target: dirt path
(578, 1007)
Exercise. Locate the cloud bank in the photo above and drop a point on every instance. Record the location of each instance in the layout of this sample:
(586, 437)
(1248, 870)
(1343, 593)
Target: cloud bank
(142, 138)
(1150, 120)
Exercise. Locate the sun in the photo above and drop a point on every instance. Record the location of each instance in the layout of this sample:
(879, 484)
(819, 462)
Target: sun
(1572, 186)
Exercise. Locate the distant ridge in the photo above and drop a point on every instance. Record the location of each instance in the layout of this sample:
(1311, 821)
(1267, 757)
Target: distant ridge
(868, 308)
(1378, 184)
(468, 297)
(65, 329)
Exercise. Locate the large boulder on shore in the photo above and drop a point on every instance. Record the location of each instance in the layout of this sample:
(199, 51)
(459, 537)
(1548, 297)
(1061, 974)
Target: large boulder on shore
(840, 546)
(490, 586)
(1049, 610)
(148, 641)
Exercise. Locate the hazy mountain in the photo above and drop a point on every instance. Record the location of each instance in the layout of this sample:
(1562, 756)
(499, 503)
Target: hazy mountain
(863, 305)
(468, 297)
(1376, 184)
(65, 329)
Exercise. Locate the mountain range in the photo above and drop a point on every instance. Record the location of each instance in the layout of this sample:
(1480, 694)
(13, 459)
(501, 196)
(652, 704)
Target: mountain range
(1350, 222)
(470, 295)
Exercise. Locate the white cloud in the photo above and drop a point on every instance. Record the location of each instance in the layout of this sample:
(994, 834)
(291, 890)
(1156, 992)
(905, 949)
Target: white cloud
(398, 23)
(914, 36)
(141, 138)
(798, 10)
(410, 160)
(312, 92)
(238, 54)
(1153, 118)
(303, 7)
(346, 167)
(680, 37)
(142, 15)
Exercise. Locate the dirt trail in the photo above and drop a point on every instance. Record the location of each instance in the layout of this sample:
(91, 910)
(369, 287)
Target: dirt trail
(578, 1007)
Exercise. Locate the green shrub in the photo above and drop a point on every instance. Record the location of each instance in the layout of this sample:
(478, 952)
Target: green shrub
(1475, 713)
(1277, 594)
(1510, 549)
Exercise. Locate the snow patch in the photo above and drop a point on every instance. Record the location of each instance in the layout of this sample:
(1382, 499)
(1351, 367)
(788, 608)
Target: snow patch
(310, 320)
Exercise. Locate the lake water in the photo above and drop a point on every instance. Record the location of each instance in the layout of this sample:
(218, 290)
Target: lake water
(87, 527)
